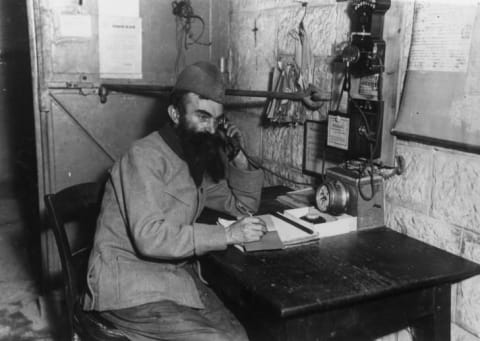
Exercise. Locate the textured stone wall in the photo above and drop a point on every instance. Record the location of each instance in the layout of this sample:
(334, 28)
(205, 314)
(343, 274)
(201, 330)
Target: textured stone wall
(436, 200)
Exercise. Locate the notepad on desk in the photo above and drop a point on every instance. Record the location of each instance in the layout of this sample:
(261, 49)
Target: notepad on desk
(281, 233)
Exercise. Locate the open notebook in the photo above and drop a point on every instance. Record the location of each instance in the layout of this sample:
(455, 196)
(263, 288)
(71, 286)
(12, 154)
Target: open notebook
(281, 233)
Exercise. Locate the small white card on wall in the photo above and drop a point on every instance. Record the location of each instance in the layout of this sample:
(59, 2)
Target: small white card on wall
(338, 131)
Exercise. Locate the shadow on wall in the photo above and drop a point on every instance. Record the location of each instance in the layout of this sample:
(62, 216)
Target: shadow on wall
(16, 107)
(159, 115)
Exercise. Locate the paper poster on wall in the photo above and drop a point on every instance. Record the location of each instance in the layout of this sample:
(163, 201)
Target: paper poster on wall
(118, 8)
(442, 35)
(75, 26)
(441, 86)
(120, 47)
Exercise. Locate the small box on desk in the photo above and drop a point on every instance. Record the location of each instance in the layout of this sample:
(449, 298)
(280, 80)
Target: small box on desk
(322, 223)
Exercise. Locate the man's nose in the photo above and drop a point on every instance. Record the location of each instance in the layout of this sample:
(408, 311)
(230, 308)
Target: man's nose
(211, 126)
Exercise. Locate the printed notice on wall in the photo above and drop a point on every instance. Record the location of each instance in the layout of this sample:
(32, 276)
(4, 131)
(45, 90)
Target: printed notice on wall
(120, 47)
(338, 131)
(442, 34)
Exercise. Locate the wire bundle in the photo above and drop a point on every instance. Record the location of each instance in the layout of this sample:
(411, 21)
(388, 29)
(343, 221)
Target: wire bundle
(185, 17)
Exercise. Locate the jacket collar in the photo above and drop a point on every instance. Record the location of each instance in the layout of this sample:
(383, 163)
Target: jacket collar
(167, 132)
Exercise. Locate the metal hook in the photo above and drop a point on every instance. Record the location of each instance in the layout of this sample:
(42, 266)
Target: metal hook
(103, 93)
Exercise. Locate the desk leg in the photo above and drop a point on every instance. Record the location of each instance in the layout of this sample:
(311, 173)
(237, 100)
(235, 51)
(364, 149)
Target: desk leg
(435, 327)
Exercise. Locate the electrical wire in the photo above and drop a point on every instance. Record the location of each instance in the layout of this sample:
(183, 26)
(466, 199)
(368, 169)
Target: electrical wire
(365, 121)
(260, 166)
(337, 107)
(185, 17)
(183, 10)
(345, 87)
(364, 196)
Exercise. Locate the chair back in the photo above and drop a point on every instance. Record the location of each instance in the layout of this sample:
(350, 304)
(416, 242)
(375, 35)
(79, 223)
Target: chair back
(72, 214)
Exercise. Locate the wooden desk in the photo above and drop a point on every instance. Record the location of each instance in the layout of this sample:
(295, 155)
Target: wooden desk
(357, 286)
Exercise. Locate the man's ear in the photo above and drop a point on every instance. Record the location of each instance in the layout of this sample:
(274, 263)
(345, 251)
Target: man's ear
(174, 114)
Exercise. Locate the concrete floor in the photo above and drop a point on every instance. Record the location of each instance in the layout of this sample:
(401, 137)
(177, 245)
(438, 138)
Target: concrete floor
(25, 314)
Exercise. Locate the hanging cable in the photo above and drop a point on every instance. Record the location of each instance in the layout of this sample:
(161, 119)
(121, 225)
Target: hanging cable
(183, 10)
(339, 101)
(370, 172)
(185, 17)
(260, 166)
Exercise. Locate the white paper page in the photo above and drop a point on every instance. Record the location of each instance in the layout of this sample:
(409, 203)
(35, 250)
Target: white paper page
(120, 47)
(288, 233)
(338, 132)
(119, 8)
(442, 35)
(75, 26)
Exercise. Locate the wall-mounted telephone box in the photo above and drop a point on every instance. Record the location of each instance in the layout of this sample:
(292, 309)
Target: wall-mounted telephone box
(366, 128)
(367, 17)
(357, 134)
(371, 56)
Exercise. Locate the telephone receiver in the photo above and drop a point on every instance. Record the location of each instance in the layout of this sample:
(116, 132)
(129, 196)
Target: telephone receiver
(231, 145)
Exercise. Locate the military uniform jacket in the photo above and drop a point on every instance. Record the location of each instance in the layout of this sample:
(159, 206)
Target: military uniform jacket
(146, 230)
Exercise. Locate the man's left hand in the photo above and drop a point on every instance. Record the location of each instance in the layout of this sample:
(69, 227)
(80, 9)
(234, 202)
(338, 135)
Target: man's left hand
(239, 159)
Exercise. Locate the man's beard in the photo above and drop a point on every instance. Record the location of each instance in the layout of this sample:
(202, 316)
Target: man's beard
(202, 153)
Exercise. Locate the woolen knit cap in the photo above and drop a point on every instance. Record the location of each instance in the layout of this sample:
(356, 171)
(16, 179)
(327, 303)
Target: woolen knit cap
(204, 79)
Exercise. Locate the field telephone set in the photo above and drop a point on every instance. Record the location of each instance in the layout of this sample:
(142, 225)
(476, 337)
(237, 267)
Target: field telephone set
(366, 50)
(347, 191)
(357, 132)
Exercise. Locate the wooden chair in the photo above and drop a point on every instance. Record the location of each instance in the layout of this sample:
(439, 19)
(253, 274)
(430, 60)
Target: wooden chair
(72, 214)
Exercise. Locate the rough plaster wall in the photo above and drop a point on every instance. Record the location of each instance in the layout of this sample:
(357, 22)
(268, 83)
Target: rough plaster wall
(437, 200)
(281, 148)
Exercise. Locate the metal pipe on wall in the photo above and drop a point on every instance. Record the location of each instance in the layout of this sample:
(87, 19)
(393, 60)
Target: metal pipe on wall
(155, 89)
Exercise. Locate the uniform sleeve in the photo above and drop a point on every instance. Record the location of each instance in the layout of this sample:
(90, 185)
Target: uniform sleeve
(240, 194)
(149, 210)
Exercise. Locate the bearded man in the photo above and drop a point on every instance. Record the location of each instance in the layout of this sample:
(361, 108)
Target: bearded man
(140, 274)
